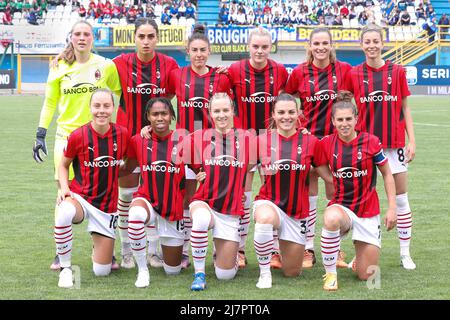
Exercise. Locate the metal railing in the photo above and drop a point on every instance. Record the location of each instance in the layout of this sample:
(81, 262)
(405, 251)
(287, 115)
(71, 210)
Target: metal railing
(408, 51)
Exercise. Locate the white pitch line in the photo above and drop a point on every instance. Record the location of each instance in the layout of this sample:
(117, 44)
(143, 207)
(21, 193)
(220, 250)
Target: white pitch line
(432, 124)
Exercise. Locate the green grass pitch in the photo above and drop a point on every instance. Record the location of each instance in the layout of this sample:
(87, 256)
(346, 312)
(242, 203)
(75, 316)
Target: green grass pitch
(27, 196)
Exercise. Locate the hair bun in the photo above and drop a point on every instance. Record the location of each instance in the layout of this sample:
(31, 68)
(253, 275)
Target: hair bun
(199, 28)
(344, 96)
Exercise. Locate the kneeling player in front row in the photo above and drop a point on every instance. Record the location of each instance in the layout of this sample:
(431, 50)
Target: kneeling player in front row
(222, 154)
(96, 150)
(159, 199)
(353, 158)
(286, 156)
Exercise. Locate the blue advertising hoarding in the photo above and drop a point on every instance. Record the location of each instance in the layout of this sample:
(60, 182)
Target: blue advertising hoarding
(422, 75)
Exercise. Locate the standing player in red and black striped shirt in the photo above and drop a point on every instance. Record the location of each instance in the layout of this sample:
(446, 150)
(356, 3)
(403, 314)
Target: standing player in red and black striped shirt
(193, 86)
(353, 158)
(286, 156)
(160, 195)
(223, 154)
(96, 151)
(381, 92)
(316, 82)
(143, 75)
(256, 82)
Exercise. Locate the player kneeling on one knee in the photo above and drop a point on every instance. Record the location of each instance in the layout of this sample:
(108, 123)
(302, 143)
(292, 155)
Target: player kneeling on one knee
(86, 197)
(159, 159)
(286, 155)
(353, 157)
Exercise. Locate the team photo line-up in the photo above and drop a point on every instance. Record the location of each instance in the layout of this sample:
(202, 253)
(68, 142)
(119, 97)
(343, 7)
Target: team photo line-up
(164, 189)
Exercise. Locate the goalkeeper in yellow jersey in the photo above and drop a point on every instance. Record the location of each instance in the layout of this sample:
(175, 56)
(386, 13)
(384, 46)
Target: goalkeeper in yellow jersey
(69, 88)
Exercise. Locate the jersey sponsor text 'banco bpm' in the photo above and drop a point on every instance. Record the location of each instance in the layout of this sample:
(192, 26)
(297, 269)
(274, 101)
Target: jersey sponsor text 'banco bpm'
(255, 91)
(317, 89)
(225, 159)
(193, 93)
(141, 82)
(96, 162)
(162, 173)
(353, 166)
(378, 96)
(285, 163)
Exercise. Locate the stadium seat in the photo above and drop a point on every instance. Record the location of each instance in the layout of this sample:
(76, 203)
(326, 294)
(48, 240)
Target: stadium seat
(48, 21)
(182, 21)
(74, 14)
(1, 16)
(91, 21)
(66, 15)
(68, 8)
(190, 22)
(59, 8)
(174, 21)
(346, 23)
(15, 21)
(115, 21)
(58, 15)
(17, 15)
(123, 22)
(411, 10)
(354, 23)
(158, 10)
(50, 14)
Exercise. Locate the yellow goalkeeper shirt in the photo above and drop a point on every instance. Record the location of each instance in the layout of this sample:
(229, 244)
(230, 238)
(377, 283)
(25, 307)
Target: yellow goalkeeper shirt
(69, 87)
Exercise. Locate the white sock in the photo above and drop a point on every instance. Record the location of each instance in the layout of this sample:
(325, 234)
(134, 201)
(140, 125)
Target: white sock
(330, 243)
(138, 239)
(263, 242)
(63, 233)
(404, 223)
(187, 231)
(276, 244)
(199, 238)
(244, 222)
(123, 206)
(310, 233)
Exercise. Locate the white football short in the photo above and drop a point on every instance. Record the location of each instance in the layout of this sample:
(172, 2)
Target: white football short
(366, 230)
(397, 160)
(225, 226)
(171, 233)
(291, 229)
(98, 221)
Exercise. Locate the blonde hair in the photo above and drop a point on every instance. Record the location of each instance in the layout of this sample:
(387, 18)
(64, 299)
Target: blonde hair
(259, 31)
(309, 55)
(371, 27)
(68, 55)
(218, 96)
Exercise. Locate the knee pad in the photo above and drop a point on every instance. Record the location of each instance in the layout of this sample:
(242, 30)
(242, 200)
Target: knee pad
(225, 274)
(126, 194)
(201, 219)
(137, 213)
(101, 270)
(172, 271)
(66, 213)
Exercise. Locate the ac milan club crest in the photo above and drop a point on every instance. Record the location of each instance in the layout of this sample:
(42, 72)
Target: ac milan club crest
(98, 74)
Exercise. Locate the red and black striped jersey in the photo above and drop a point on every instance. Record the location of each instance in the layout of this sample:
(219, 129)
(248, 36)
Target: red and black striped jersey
(140, 82)
(285, 163)
(96, 162)
(378, 96)
(225, 158)
(193, 93)
(353, 166)
(162, 173)
(255, 90)
(317, 89)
